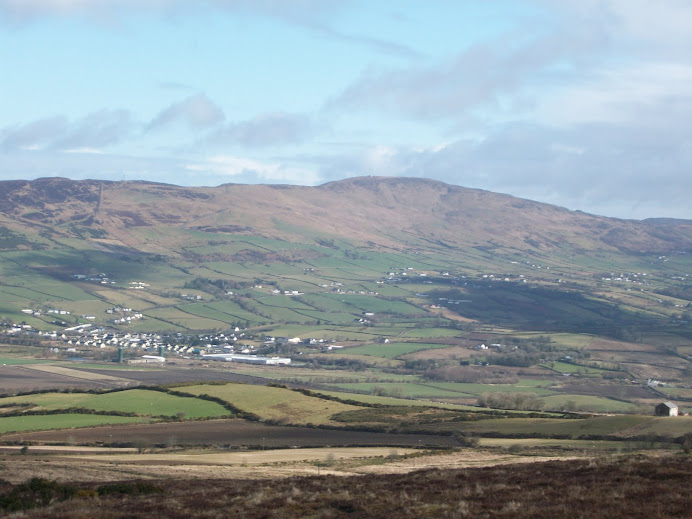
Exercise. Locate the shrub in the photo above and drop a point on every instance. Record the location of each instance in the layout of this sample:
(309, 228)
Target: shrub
(128, 488)
(36, 492)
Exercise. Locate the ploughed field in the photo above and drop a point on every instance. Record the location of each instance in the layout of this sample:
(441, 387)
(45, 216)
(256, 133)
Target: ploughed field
(15, 379)
(234, 433)
(254, 416)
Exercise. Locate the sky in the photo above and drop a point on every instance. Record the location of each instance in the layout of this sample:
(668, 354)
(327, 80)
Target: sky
(586, 104)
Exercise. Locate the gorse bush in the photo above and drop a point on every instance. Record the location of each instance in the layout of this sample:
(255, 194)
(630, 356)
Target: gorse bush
(36, 492)
(40, 492)
(128, 488)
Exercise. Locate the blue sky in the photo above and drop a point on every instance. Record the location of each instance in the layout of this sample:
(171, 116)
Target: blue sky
(585, 104)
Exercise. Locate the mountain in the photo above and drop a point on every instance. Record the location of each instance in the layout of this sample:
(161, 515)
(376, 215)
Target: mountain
(361, 260)
(376, 212)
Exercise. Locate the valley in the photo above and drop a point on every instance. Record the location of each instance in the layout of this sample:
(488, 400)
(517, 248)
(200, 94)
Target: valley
(412, 316)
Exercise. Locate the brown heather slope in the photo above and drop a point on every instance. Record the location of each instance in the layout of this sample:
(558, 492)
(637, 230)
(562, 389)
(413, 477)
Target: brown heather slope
(629, 487)
(393, 213)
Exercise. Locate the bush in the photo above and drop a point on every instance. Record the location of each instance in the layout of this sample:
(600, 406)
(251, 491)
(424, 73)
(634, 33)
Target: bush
(34, 493)
(519, 401)
(128, 488)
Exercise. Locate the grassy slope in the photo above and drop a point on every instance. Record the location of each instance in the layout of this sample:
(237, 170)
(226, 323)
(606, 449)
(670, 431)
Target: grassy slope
(61, 421)
(142, 402)
(271, 403)
(232, 233)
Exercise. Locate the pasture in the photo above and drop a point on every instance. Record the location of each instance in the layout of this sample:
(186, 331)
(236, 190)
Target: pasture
(393, 350)
(591, 403)
(546, 427)
(9, 424)
(139, 401)
(273, 403)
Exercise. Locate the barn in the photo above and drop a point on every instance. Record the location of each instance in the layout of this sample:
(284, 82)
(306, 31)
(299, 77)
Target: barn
(666, 409)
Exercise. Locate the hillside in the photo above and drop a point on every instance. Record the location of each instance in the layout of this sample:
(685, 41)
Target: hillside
(430, 270)
(390, 213)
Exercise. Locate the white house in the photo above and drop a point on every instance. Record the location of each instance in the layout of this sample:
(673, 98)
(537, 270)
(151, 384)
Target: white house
(666, 409)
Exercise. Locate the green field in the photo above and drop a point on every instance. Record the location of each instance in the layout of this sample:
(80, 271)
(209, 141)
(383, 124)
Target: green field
(574, 428)
(538, 320)
(272, 403)
(589, 446)
(431, 333)
(62, 421)
(322, 376)
(185, 319)
(619, 426)
(392, 350)
(664, 426)
(387, 400)
(414, 390)
(588, 403)
(568, 367)
(139, 401)
(525, 386)
(16, 361)
(445, 390)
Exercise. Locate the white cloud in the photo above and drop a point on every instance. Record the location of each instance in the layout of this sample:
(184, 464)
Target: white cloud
(273, 129)
(96, 130)
(250, 170)
(35, 134)
(197, 111)
(636, 175)
(92, 151)
(621, 94)
(311, 15)
(502, 76)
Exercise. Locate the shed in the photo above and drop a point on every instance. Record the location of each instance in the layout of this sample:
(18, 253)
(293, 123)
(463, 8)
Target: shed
(666, 409)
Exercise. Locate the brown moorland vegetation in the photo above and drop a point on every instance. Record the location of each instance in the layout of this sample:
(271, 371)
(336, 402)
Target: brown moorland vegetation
(429, 212)
(637, 486)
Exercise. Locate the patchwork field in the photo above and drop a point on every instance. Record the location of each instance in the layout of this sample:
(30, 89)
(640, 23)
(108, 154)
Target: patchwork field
(272, 403)
(9, 424)
(426, 315)
(138, 401)
(233, 433)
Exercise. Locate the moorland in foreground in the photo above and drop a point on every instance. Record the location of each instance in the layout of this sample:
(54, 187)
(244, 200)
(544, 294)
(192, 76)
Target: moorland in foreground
(453, 353)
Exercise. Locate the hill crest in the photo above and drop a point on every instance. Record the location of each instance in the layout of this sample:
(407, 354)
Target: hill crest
(390, 212)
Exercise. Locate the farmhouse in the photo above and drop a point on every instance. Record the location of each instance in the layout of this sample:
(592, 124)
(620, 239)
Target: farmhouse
(666, 409)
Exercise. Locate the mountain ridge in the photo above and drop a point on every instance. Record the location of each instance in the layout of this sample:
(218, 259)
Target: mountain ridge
(390, 212)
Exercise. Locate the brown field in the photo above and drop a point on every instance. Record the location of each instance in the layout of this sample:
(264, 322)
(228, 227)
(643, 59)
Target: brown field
(15, 379)
(70, 449)
(459, 352)
(20, 378)
(98, 377)
(634, 486)
(617, 391)
(599, 344)
(260, 464)
(242, 458)
(233, 433)
(181, 375)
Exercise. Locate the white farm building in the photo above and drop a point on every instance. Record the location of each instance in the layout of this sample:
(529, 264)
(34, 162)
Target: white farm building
(248, 359)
